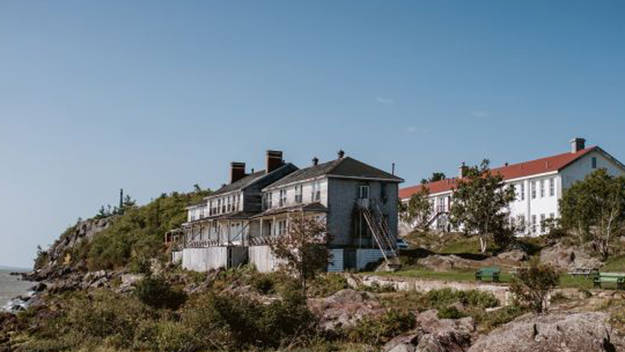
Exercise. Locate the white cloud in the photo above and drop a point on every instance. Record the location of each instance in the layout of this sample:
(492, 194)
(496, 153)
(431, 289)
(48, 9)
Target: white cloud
(384, 101)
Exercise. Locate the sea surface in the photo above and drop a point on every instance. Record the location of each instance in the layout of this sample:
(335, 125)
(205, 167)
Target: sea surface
(11, 286)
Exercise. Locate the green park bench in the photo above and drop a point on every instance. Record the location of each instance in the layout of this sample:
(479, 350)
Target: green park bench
(617, 278)
(489, 272)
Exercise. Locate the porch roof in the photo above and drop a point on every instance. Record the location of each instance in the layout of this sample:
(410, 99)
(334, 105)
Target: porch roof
(310, 207)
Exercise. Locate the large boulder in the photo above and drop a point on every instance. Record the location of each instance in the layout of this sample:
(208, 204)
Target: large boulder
(567, 257)
(559, 332)
(439, 262)
(344, 308)
(435, 335)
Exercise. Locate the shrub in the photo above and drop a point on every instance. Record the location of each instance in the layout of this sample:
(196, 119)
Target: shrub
(379, 330)
(531, 285)
(491, 320)
(327, 284)
(450, 312)
(157, 293)
(446, 296)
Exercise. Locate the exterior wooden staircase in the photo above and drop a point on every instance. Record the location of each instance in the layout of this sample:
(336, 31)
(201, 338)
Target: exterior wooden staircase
(381, 233)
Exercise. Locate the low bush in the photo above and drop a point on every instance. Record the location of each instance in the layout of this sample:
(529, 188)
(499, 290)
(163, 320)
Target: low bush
(324, 285)
(476, 298)
(158, 293)
(450, 312)
(381, 329)
(491, 320)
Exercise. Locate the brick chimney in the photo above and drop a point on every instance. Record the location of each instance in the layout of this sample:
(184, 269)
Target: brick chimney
(577, 144)
(315, 161)
(273, 160)
(237, 171)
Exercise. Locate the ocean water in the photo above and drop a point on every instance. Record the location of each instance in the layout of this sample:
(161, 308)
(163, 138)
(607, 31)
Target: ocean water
(11, 286)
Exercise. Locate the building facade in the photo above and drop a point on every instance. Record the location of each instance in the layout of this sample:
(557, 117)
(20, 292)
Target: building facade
(539, 185)
(351, 197)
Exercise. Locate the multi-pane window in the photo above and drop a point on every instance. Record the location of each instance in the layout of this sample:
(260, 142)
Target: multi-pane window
(542, 188)
(542, 222)
(223, 205)
(440, 204)
(219, 206)
(594, 162)
(269, 200)
(552, 187)
(363, 192)
(533, 189)
(282, 197)
(281, 228)
(229, 206)
(298, 194)
(533, 224)
(316, 191)
(522, 191)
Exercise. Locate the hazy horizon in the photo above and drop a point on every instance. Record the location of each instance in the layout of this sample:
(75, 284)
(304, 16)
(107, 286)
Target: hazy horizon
(155, 97)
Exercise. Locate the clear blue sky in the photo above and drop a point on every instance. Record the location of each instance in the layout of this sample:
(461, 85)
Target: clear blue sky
(155, 97)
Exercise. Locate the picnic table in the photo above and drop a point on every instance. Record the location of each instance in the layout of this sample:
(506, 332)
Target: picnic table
(616, 278)
(488, 272)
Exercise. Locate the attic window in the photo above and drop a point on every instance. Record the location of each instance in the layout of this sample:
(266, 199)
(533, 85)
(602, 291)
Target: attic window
(594, 162)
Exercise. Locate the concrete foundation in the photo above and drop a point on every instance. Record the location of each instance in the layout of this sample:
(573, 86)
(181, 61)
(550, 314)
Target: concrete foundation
(205, 259)
(264, 260)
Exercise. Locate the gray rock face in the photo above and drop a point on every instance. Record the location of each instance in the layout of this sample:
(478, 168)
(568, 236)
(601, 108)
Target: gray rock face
(435, 335)
(583, 332)
(568, 258)
(344, 308)
(515, 255)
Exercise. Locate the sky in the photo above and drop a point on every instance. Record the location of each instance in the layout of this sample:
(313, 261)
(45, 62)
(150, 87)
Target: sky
(155, 96)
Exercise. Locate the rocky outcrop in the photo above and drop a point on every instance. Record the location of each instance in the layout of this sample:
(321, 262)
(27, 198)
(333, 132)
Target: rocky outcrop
(553, 333)
(565, 257)
(344, 308)
(56, 266)
(435, 335)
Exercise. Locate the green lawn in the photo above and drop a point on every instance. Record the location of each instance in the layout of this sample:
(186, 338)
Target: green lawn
(615, 264)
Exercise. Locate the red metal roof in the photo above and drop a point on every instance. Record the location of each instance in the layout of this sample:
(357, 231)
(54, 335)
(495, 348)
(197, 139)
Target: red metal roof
(528, 168)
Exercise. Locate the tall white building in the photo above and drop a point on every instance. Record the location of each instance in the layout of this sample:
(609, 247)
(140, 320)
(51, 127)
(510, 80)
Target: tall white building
(539, 185)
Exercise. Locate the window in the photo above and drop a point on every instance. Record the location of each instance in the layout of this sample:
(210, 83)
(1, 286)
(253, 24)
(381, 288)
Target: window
(298, 194)
(269, 196)
(533, 224)
(316, 191)
(521, 223)
(223, 205)
(594, 162)
(219, 206)
(542, 188)
(363, 192)
(281, 228)
(440, 204)
(522, 191)
(533, 189)
(552, 187)
(542, 222)
(552, 215)
(282, 197)
(229, 206)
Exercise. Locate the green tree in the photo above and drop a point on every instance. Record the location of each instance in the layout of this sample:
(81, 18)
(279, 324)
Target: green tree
(480, 202)
(436, 176)
(595, 209)
(418, 210)
(303, 247)
(532, 284)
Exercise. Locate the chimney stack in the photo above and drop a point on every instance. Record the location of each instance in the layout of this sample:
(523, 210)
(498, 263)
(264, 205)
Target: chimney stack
(315, 161)
(577, 144)
(237, 171)
(341, 154)
(461, 170)
(273, 160)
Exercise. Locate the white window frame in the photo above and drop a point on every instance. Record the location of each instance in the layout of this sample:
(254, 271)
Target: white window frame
(363, 191)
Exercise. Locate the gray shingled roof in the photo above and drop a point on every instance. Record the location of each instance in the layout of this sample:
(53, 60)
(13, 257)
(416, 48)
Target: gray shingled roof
(244, 182)
(346, 166)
